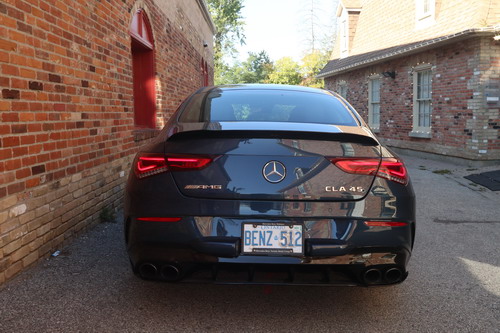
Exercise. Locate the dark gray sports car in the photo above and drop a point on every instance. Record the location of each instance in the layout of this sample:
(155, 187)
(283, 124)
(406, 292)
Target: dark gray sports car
(269, 184)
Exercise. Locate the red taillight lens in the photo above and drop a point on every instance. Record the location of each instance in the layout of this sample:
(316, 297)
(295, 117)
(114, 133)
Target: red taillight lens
(186, 163)
(388, 168)
(393, 169)
(159, 219)
(152, 164)
(357, 166)
(385, 224)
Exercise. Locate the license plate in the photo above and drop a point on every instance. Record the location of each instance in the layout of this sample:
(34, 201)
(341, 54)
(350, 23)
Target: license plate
(272, 238)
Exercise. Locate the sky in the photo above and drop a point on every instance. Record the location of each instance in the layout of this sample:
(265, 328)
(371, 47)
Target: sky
(280, 27)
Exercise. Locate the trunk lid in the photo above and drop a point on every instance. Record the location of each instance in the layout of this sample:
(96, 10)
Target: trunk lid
(286, 162)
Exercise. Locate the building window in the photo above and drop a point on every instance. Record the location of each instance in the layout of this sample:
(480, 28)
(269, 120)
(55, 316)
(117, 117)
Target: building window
(344, 34)
(143, 71)
(422, 102)
(374, 103)
(425, 10)
(342, 89)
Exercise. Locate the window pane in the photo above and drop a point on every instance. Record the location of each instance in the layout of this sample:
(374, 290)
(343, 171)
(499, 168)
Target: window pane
(420, 114)
(376, 114)
(427, 114)
(424, 113)
(375, 93)
(424, 85)
(343, 90)
(261, 105)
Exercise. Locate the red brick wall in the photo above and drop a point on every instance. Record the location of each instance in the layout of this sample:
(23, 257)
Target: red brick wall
(463, 124)
(67, 127)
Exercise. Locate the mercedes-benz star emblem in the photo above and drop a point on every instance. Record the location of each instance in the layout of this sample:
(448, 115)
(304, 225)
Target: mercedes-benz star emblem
(274, 171)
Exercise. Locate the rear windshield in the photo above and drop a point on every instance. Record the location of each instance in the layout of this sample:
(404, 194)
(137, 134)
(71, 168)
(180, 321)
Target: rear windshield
(269, 106)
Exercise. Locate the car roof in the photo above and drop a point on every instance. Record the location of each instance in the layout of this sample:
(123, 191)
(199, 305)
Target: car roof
(269, 87)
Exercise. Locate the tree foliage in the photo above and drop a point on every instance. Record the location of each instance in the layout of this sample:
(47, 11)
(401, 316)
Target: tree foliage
(226, 15)
(286, 71)
(258, 68)
(255, 69)
(312, 63)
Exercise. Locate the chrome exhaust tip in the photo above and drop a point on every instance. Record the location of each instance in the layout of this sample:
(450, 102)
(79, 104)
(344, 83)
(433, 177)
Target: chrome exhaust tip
(148, 271)
(372, 276)
(393, 275)
(170, 272)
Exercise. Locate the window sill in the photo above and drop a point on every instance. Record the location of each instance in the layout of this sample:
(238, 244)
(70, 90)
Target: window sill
(375, 129)
(141, 134)
(419, 134)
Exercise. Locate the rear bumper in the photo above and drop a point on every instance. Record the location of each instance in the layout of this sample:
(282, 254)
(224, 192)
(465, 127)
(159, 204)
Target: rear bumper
(205, 256)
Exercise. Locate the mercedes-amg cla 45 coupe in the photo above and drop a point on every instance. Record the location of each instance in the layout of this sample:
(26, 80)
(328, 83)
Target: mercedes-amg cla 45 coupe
(269, 184)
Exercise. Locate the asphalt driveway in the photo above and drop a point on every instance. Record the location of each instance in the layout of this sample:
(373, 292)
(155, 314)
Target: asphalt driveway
(453, 286)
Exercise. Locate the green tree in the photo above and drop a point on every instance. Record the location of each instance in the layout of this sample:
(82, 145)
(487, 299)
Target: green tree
(258, 67)
(311, 64)
(229, 23)
(286, 71)
(253, 70)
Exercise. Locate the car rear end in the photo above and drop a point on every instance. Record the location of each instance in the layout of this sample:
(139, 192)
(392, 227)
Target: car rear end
(271, 200)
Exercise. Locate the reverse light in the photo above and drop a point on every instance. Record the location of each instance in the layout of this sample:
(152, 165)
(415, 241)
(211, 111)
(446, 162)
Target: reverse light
(152, 164)
(385, 224)
(159, 219)
(388, 168)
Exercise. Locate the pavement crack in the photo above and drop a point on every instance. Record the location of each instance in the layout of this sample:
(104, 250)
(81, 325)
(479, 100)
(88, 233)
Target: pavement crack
(444, 221)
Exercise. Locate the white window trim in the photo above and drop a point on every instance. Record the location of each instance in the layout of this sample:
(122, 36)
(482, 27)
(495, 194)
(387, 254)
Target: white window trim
(344, 33)
(420, 131)
(423, 18)
(374, 127)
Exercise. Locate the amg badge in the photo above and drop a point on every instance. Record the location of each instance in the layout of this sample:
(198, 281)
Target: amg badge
(203, 187)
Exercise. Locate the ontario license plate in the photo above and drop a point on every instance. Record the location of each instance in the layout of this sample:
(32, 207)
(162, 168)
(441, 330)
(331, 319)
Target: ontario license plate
(272, 238)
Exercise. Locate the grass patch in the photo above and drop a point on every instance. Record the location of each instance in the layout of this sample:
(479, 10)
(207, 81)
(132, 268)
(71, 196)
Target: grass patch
(107, 215)
(442, 172)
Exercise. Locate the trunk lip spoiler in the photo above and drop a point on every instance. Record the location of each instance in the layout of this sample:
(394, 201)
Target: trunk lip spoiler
(272, 130)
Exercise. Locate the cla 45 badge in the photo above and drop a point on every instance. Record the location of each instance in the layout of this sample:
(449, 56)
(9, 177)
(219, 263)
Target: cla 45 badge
(344, 189)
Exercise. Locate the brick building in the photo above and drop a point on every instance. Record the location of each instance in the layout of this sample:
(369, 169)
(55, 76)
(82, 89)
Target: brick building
(425, 74)
(83, 84)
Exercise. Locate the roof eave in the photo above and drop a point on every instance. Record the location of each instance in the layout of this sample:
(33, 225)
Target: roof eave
(411, 50)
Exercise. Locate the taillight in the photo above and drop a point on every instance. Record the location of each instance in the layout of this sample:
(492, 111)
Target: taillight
(187, 163)
(388, 168)
(152, 164)
(393, 169)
